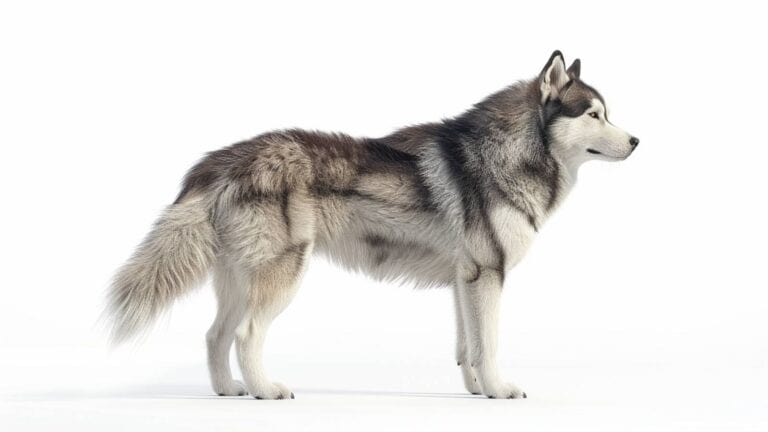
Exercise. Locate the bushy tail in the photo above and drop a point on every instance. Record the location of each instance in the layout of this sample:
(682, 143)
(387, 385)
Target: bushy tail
(174, 258)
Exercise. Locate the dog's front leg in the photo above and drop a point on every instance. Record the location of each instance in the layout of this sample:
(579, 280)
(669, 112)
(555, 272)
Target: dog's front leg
(479, 302)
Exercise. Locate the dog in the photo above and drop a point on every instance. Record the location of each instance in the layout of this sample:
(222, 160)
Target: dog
(454, 203)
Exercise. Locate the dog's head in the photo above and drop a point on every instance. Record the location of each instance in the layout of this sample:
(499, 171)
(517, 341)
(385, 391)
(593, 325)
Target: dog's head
(576, 116)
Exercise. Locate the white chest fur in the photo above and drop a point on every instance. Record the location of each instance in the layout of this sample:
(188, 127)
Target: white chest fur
(514, 231)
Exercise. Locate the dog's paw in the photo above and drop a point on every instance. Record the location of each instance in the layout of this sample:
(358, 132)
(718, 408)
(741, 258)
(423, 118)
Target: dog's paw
(470, 381)
(505, 391)
(232, 388)
(273, 391)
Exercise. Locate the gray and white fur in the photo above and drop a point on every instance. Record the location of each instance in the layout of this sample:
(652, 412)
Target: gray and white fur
(454, 203)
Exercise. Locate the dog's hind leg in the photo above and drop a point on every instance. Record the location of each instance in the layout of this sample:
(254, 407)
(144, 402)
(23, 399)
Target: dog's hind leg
(272, 286)
(462, 354)
(232, 301)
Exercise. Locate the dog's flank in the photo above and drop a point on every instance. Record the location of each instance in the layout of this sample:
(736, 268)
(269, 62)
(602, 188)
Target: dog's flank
(454, 203)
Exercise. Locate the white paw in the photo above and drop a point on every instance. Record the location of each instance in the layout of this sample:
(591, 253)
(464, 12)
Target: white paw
(504, 391)
(232, 388)
(470, 381)
(273, 391)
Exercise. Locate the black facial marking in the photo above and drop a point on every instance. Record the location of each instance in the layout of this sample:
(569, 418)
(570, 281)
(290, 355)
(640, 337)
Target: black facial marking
(593, 151)
(575, 108)
(574, 100)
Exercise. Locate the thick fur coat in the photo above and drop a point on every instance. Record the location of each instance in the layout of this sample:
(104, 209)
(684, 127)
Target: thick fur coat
(454, 203)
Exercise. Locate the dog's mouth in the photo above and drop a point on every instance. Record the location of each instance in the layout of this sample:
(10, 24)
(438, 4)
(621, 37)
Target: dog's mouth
(598, 152)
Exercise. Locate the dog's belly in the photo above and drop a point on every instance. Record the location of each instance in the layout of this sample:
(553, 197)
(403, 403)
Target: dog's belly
(391, 244)
(387, 260)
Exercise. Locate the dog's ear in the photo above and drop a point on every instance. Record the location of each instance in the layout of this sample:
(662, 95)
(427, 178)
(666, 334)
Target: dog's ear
(553, 77)
(574, 70)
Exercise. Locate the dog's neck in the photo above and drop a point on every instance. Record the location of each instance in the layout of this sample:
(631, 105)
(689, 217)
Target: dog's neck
(569, 161)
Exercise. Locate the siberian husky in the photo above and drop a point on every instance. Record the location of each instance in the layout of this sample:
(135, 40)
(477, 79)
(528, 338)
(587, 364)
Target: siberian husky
(454, 203)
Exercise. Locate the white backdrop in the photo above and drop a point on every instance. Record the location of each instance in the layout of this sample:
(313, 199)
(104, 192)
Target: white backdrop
(642, 304)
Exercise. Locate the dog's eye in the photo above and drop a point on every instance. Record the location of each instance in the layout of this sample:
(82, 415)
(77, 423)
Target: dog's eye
(594, 115)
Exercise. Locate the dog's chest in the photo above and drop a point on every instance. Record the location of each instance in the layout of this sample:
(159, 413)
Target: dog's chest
(514, 231)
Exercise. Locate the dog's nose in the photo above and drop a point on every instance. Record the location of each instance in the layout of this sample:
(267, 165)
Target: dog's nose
(634, 141)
